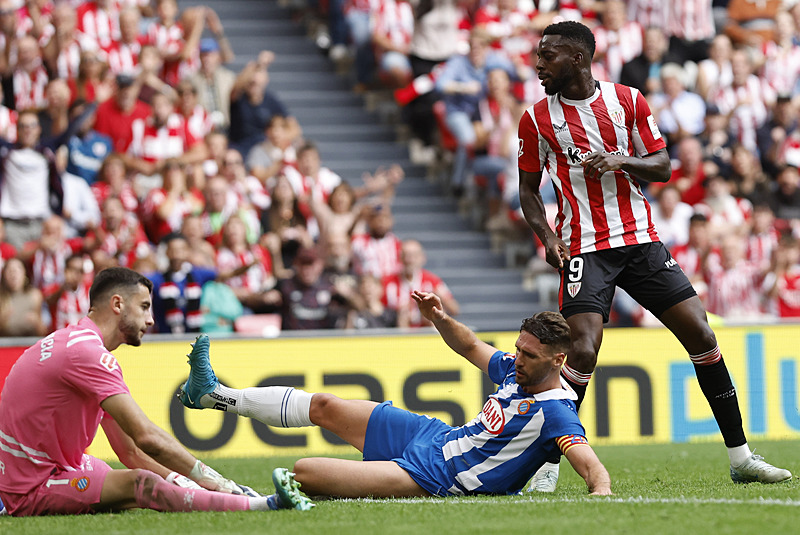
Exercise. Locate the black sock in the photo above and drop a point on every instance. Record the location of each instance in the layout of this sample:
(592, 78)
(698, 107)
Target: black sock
(715, 382)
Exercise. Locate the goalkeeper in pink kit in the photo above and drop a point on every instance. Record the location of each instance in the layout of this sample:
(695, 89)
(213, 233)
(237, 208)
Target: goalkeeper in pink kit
(65, 386)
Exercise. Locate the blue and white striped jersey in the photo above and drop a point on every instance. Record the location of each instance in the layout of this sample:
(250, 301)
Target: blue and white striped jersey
(512, 437)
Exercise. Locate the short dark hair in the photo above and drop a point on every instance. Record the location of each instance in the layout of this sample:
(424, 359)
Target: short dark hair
(550, 328)
(576, 32)
(116, 279)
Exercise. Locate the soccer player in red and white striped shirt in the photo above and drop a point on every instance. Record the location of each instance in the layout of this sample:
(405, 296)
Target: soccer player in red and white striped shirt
(598, 140)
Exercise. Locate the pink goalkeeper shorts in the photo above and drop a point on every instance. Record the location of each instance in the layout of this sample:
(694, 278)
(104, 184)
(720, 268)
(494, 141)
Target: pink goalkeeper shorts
(69, 492)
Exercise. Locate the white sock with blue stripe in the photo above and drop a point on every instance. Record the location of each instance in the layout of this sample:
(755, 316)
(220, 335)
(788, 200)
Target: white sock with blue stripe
(279, 406)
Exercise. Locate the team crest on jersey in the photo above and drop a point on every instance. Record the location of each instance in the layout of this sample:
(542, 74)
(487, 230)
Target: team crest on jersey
(492, 416)
(80, 483)
(617, 116)
(524, 406)
(519, 154)
(573, 288)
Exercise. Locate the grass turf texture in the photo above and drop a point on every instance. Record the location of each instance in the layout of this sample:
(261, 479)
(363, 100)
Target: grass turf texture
(662, 489)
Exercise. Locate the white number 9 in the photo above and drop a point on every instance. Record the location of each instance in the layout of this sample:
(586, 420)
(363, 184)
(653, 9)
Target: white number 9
(575, 268)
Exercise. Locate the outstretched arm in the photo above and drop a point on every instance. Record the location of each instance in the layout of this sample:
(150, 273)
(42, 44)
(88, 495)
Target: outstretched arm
(584, 460)
(455, 334)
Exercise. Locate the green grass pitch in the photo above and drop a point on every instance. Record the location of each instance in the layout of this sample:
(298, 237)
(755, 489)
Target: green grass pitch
(658, 489)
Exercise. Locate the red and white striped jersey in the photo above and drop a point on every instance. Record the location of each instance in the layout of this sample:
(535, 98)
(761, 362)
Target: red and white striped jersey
(689, 259)
(48, 266)
(8, 124)
(788, 298)
(761, 246)
(618, 46)
(153, 143)
(318, 188)
(102, 191)
(691, 20)
(379, 257)
(169, 40)
(99, 24)
(25, 22)
(558, 133)
(781, 66)
(395, 21)
(72, 306)
(256, 279)
(29, 88)
(397, 293)
(735, 293)
(123, 57)
(748, 105)
(509, 29)
(199, 123)
(69, 58)
(649, 13)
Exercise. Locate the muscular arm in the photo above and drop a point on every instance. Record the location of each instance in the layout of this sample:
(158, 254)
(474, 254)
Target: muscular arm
(584, 460)
(455, 334)
(556, 251)
(142, 441)
(128, 453)
(654, 167)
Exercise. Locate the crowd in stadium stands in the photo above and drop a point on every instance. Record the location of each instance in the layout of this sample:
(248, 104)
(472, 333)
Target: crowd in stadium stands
(722, 80)
(124, 140)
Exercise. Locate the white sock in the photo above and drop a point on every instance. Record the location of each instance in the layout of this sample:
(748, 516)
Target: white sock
(279, 406)
(739, 454)
(223, 398)
(259, 504)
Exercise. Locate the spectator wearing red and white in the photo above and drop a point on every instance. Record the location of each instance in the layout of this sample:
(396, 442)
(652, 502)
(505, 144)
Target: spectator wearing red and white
(99, 20)
(310, 179)
(9, 30)
(8, 123)
(508, 23)
(746, 100)
(148, 75)
(116, 115)
(220, 205)
(679, 113)
(725, 212)
(197, 119)
(649, 13)
(276, 152)
(164, 208)
(735, 287)
(763, 236)
(161, 136)
(47, 256)
(783, 283)
(671, 217)
(688, 173)
(112, 181)
(63, 51)
(33, 18)
(393, 27)
(781, 64)
(697, 254)
(216, 147)
(70, 302)
(177, 40)
(120, 235)
(618, 39)
(246, 268)
(412, 276)
(377, 252)
(691, 29)
(246, 189)
(762, 240)
(715, 72)
(92, 83)
(29, 75)
(122, 55)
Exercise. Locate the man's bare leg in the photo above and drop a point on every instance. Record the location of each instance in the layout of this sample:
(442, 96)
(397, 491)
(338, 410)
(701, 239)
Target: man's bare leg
(324, 476)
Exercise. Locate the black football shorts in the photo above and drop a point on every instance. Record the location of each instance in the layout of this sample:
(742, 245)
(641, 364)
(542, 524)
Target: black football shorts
(647, 272)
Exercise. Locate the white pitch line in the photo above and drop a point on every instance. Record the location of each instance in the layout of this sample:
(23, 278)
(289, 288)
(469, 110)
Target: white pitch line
(598, 499)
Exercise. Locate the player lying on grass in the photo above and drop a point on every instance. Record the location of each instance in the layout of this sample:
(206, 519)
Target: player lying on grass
(530, 418)
(66, 385)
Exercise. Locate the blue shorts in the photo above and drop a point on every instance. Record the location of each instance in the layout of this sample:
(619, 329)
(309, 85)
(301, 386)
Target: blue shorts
(414, 442)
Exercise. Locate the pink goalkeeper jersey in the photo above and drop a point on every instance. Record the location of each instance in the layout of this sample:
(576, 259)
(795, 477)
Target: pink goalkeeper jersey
(558, 134)
(50, 404)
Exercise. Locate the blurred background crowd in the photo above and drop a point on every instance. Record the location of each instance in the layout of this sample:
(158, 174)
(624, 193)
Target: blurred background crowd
(125, 140)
